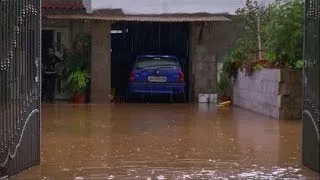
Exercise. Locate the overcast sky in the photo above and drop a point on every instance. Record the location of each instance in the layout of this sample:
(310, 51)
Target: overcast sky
(169, 6)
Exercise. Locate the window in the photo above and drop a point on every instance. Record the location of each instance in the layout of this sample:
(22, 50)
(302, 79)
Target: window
(144, 62)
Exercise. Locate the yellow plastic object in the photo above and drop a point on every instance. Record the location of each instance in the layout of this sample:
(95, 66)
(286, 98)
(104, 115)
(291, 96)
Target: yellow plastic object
(223, 104)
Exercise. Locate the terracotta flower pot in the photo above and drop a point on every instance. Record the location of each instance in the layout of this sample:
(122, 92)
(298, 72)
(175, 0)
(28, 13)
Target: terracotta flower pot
(271, 65)
(262, 61)
(78, 98)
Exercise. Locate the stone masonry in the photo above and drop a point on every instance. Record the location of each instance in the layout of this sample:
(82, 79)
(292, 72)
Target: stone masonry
(271, 92)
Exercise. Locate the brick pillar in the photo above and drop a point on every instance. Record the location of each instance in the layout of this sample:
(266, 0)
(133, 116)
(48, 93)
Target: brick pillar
(100, 61)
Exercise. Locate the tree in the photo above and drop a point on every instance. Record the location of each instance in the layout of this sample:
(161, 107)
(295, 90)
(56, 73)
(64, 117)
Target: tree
(255, 18)
(284, 30)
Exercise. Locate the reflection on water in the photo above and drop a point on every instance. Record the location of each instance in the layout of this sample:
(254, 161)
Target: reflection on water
(166, 141)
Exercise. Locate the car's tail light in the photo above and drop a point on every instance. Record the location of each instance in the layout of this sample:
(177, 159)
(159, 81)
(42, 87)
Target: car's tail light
(132, 76)
(181, 76)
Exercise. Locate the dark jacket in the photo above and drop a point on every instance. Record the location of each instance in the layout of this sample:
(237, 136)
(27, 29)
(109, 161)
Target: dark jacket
(49, 65)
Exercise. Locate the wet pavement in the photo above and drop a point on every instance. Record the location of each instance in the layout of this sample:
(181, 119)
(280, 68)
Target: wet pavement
(166, 141)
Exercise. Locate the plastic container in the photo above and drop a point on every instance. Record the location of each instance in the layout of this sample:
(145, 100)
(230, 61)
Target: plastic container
(213, 98)
(203, 98)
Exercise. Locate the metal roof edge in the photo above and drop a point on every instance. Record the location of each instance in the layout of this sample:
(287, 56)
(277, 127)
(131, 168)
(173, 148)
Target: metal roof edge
(141, 18)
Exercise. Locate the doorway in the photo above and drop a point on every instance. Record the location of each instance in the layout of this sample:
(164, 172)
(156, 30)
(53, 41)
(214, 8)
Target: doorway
(51, 37)
(130, 39)
(47, 41)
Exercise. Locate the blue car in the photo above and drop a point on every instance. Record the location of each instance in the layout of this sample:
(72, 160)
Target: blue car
(157, 74)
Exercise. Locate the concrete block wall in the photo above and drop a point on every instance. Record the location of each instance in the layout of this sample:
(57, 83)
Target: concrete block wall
(202, 54)
(271, 92)
(210, 43)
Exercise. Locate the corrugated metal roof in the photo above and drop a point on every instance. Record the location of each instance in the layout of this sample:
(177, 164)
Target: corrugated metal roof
(198, 17)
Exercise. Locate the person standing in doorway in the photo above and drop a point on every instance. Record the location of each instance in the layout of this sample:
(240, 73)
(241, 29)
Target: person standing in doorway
(49, 75)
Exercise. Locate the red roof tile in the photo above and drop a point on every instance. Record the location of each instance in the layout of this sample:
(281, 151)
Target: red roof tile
(63, 5)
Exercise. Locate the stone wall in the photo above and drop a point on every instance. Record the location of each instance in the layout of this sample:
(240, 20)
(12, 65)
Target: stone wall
(210, 43)
(271, 92)
(100, 61)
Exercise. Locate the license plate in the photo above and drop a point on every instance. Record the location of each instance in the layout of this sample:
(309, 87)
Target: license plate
(157, 78)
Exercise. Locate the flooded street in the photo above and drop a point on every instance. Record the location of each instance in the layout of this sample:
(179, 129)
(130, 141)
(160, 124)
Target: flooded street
(166, 141)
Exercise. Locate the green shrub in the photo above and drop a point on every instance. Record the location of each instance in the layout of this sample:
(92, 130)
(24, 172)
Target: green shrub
(224, 84)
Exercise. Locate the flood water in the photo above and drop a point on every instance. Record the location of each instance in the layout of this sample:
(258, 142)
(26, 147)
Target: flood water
(166, 141)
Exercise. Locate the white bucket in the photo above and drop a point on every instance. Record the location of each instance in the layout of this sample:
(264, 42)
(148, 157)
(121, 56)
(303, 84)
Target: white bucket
(203, 98)
(213, 98)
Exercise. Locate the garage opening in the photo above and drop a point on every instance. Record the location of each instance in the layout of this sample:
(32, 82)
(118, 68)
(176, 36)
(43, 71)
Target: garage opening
(131, 39)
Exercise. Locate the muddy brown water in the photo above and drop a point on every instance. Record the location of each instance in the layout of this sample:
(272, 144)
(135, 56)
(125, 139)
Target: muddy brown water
(166, 141)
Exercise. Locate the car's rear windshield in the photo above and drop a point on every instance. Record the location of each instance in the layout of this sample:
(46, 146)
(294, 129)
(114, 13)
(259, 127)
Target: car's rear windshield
(144, 62)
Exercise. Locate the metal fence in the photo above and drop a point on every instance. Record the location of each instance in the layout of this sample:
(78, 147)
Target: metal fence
(311, 115)
(19, 85)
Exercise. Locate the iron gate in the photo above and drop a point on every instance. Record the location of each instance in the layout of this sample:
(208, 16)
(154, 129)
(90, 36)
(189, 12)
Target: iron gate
(19, 85)
(311, 141)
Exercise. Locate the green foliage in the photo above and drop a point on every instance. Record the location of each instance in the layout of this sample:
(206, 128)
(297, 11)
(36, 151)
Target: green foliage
(299, 65)
(246, 48)
(257, 67)
(77, 82)
(241, 51)
(284, 30)
(224, 84)
(251, 13)
(270, 56)
(281, 32)
(78, 65)
(230, 69)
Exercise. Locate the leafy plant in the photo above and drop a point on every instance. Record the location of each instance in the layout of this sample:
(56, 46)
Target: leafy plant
(281, 32)
(253, 14)
(230, 69)
(257, 67)
(246, 48)
(224, 84)
(299, 65)
(78, 65)
(77, 82)
(270, 56)
(284, 31)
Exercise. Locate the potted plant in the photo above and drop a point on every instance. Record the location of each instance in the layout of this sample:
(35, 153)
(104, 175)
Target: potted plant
(77, 83)
(262, 61)
(77, 69)
(223, 85)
